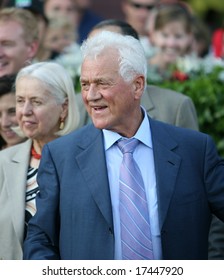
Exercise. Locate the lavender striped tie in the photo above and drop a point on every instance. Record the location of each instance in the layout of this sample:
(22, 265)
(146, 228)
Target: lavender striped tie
(135, 228)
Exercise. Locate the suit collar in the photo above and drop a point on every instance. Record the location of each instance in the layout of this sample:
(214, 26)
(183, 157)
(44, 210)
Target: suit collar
(167, 164)
(22, 151)
(16, 176)
(95, 171)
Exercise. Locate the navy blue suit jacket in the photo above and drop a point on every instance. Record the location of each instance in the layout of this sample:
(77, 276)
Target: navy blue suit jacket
(74, 217)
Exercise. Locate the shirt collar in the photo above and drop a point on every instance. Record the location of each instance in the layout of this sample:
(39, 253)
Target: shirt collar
(143, 134)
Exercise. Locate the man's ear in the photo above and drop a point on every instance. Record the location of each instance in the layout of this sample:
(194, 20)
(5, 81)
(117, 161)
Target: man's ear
(32, 49)
(139, 85)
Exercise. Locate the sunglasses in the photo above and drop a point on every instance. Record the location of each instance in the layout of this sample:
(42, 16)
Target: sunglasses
(141, 6)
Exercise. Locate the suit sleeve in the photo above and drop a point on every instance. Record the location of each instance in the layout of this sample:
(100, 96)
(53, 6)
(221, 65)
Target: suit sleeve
(216, 240)
(42, 239)
(214, 178)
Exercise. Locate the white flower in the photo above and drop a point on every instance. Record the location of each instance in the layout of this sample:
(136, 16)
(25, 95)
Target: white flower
(210, 62)
(193, 64)
(189, 64)
(71, 60)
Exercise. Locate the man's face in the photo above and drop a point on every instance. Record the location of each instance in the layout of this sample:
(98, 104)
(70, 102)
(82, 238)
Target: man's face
(14, 51)
(110, 101)
(137, 12)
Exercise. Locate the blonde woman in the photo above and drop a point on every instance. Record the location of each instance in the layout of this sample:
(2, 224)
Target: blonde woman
(46, 109)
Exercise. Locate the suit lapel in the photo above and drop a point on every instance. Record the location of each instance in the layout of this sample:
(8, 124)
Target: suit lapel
(16, 174)
(167, 164)
(93, 165)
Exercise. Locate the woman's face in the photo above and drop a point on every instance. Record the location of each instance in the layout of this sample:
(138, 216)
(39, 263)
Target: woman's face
(8, 119)
(173, 41)
(37, 111)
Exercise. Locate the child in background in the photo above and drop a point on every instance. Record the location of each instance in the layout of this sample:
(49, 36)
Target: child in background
(171, 36)
(59, 35)
(59, 44)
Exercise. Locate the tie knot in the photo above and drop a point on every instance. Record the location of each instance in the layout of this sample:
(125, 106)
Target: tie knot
(127, 145)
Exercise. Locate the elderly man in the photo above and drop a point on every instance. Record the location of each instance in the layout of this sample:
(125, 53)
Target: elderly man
(126, 186)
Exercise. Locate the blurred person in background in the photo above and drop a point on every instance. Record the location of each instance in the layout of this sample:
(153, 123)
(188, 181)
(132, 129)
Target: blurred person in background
(58, 8)
(172, 37)
(201, 45)
(59, 35)
(36, 8)
(114, 25)
(139, 13)
(8, 137)
(58, 11)
(18, 39)
(57, 31)
(46, 109)
(60, 44)
(86, 18)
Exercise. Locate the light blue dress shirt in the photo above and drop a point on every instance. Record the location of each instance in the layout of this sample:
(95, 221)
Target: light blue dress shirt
(143, 155)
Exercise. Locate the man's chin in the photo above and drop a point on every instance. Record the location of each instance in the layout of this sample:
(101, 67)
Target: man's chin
(99, 124)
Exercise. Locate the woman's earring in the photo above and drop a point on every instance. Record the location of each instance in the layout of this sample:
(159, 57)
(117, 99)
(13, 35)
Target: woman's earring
(62, 125)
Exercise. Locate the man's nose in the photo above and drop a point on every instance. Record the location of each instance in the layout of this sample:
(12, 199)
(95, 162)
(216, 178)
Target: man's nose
(93, 93)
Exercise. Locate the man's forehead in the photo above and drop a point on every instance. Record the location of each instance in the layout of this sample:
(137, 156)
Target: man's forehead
(11, 29)
(10, 22)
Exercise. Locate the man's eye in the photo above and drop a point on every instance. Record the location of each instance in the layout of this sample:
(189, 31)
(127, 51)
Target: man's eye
(19, 101)
(85, 86)
(36, 102)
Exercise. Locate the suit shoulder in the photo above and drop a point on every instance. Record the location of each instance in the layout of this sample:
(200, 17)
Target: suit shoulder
(75, 137)
(176, 131)
(12, 150)
(166, 93)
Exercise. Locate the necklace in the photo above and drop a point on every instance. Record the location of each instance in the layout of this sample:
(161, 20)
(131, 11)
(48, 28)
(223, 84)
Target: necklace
(35, 154)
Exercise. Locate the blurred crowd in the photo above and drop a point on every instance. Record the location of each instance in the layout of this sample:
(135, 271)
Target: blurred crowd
(53, 30)
(166, 31)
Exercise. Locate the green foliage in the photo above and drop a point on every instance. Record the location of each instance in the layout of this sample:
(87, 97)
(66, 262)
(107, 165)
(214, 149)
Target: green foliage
(77, 84)
(207, 93)
(202, 6)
